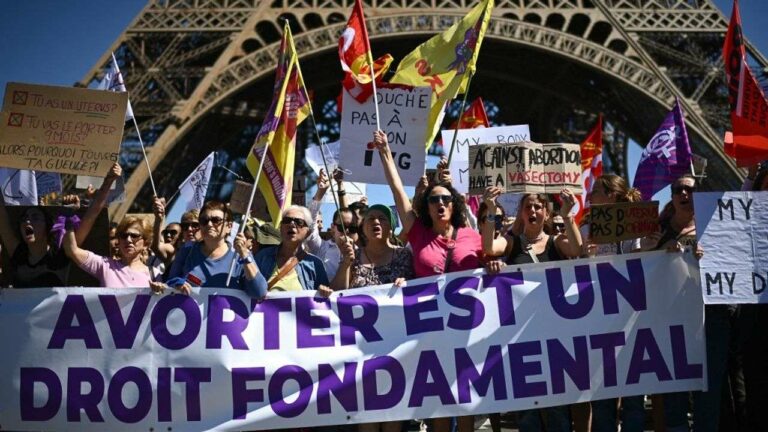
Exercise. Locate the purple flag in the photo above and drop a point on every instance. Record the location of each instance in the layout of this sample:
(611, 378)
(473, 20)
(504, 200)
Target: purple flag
(667, 156)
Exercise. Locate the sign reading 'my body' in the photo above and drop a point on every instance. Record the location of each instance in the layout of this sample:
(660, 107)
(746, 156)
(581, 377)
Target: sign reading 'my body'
(61, 129)
(465, 138)
(404, 115)
(529, 337)
(731, 228)
(525, 167)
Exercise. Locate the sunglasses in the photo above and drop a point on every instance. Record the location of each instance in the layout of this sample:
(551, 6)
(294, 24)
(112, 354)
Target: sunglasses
(350, 229)
(169, 233)
(129, 235)
(189, 225)
(678, 189)
(215, 220)
(299, 222)
(436, 199)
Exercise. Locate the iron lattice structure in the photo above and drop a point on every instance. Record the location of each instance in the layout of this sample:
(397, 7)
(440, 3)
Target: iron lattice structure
(200, 73)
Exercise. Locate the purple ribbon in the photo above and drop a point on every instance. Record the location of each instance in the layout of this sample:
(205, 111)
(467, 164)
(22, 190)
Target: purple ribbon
(59, 228)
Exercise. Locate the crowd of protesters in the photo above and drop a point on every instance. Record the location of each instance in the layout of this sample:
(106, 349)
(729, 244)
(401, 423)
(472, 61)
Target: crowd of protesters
(439, 234)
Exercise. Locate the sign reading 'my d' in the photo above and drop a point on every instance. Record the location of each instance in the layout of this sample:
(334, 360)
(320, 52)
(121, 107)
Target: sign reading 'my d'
(61, 129)
(457, 344)
(525, 167)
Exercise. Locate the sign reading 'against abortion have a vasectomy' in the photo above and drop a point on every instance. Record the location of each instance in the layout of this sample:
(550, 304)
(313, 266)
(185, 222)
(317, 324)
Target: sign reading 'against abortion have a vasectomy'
(458, 344)
(525, 167)
(61, 129)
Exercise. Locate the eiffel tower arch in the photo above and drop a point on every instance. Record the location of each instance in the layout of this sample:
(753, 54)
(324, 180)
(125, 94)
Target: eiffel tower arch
(200, 73)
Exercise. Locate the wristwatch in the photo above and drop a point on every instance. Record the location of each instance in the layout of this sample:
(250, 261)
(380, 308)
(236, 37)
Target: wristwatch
(248, 259)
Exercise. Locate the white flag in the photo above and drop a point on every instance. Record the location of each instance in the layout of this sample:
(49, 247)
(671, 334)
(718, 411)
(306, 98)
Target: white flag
(113, 81)
(192, 191)
(19, 187)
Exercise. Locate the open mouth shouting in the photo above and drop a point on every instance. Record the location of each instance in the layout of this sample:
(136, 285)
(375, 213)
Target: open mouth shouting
(29, 231)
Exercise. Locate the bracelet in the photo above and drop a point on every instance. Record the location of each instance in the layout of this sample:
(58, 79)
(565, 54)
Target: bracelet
(248, 259)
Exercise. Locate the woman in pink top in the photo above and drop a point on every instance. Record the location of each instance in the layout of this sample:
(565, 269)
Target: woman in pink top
(436, 229)
(134, 236)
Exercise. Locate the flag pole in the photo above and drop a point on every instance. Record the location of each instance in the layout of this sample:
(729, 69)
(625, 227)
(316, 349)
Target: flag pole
(138, 133)
(373, 83)
(461, 115)
(321, 142)
(241, 229)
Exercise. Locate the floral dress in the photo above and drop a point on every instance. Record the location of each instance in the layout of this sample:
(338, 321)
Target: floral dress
(364, 275)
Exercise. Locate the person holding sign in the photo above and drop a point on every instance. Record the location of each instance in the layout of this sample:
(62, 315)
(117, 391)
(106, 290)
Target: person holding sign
(610, 189)
(531, 246)
(438, 233)
(206, 263)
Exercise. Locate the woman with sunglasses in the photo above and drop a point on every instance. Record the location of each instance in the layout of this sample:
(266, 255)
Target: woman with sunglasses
(533, 245)
(436, 228)
(678, 232)
(287, 266)
(206, 263)
(134, 235)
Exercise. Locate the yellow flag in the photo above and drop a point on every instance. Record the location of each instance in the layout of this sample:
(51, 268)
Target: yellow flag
(446, 62)
(290, 106)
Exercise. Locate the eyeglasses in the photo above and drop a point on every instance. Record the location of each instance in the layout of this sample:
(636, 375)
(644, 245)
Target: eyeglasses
(299, 222)
(129, 235)
(350, 229)
(436, 199)
(678, 189)
(169, 233)
(189, 225)
(215, 220)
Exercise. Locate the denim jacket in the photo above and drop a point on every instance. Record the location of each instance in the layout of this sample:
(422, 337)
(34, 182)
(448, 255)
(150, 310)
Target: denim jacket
(309, 269)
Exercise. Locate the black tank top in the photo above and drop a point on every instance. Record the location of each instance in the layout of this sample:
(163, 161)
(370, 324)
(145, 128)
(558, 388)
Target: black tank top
(518, 255)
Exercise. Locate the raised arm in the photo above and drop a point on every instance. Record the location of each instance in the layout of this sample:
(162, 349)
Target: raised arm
(569, 243)
(98, 203)
(404, 208)
(254, 283)
(71, 248)
(313, 241)
(8, 234)
(492, 245)
(344, 273)
(164, 250)
(338, 177)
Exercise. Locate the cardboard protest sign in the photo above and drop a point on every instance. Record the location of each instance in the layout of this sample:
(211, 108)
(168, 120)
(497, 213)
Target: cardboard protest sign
(61, 129)
(238, 202)
(732, 230)
(404, 115)
(354, 190)
(525, 167)
(466, 138)
(611, 223)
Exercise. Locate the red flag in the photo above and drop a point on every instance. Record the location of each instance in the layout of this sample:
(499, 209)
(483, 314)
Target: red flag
(748, 143)
(362, 91)
(591, 165)
(473, 117)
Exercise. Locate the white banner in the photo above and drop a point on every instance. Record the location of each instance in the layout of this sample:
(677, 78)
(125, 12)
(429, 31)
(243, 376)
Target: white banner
(354, 190)
(404, 115)
(731, 228)
(465, 343)
(19, 186)
(470, 137)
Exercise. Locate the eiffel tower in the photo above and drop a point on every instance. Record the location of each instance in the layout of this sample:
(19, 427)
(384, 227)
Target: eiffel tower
(200, 74)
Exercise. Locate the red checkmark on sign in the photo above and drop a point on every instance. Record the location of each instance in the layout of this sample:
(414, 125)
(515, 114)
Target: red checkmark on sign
(20, 97)
(16, 120)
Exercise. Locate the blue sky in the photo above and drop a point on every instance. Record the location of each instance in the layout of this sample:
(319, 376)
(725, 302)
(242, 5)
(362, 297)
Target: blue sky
(57, 42)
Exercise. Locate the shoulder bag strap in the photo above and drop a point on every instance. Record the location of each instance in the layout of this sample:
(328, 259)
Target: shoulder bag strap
(451, 247)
